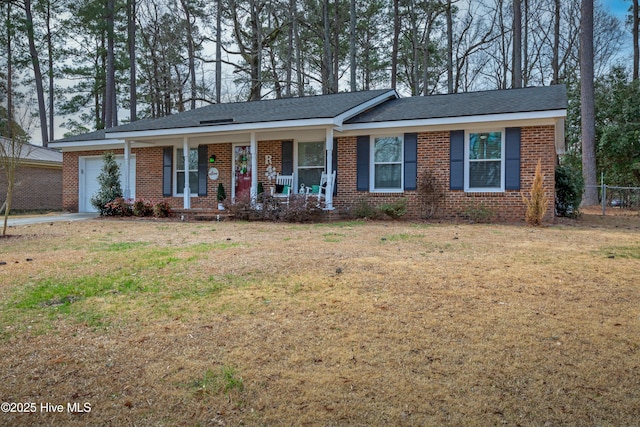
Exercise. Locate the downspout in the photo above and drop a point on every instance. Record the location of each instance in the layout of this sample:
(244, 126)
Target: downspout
(329, 148)
(254, 168)
(127, 168)
(187, 190)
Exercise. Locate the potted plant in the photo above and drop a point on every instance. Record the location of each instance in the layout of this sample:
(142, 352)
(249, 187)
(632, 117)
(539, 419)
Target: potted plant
(222, 195)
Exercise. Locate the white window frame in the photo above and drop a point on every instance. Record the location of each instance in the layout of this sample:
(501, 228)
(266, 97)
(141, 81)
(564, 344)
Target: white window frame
(373, 163)
(178, 166)
(467, 160)
(297, 167)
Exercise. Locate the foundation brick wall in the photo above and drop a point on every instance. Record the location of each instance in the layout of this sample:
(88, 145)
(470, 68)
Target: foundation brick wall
(35, 188)
(537, 142)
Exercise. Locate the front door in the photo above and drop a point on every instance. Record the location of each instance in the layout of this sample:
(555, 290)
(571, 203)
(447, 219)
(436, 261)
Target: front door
(242, 171)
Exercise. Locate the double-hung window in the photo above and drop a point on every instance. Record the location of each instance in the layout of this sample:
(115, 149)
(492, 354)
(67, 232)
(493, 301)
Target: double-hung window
(192, 173)
(311, 161)
(484, 161)
(387, 163)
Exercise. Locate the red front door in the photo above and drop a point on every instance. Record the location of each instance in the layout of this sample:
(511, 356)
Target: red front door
(242, 165)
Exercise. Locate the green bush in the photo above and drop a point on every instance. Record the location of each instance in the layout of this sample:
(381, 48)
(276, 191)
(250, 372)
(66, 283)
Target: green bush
(569, 188)
(395, 209)
(363, 210)
(478, 212)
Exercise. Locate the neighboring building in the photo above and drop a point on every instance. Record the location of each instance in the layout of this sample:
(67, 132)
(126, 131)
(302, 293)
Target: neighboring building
(38, 179)
(481, 147)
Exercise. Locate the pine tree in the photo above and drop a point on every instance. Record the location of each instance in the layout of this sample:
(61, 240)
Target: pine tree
(110, 188)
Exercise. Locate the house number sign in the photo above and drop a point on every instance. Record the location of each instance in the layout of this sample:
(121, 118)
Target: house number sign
(213, 174)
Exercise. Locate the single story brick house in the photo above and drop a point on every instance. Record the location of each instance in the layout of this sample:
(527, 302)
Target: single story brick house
(37, 181)
(481, 148)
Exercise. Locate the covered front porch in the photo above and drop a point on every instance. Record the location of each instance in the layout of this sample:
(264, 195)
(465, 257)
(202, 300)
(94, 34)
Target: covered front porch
(243, 163)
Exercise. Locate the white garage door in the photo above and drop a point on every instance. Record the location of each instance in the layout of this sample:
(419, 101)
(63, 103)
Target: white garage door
(90, 168)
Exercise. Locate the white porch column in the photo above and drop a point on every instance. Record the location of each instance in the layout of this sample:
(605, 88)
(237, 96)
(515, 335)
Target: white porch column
(126, 176)
(254, 167)
(187, 190)
(329, 147)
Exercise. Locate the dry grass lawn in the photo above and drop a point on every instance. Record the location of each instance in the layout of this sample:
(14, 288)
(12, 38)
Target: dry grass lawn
(351, 323)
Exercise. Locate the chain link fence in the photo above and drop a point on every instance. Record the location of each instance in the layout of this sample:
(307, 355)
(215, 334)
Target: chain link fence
(614, 197)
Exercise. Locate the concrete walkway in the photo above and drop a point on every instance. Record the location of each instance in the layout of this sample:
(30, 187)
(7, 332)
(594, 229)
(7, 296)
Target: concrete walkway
(39, 219)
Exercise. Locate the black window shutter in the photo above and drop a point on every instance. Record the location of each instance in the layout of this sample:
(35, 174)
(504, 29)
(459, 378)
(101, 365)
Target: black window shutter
(512, 159)
(287, 158)
(203, 163)
(410, 161)
(167, 171)
(456, 160)
(335, 165)
(362, 163)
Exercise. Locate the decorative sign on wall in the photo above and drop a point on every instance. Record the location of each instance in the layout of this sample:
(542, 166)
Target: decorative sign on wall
(213, 174)
(271, 171)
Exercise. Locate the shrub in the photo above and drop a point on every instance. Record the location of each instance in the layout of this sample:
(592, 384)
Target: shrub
(299, 209)
(538, 202)
(222, 194)
(142, 207)
(162, 210)
(395, 209)
(363, 209)
(117, 207)
(569, 188)
(478, 212)
(110, 188)
(430, 194)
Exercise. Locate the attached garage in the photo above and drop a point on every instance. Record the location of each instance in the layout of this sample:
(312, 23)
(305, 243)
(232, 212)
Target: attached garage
(89, 168)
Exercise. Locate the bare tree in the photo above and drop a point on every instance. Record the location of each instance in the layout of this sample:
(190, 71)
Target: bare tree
(12, 152)
(587, 104)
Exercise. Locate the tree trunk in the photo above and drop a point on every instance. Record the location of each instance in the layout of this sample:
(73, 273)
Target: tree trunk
(555, 61)
(191, 54)
(394, 48)
(328, 58)
(352, 44)
(516, 81)
(587, 104)
(9, 73)
(131, 40)
(449, 48)
(50, 73)
(37, 74)
(110, 88)
(636, 42)
(219, 52)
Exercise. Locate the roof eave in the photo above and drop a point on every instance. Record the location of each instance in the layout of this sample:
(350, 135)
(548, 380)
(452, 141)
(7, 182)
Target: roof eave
(230, 128)
(550, 115)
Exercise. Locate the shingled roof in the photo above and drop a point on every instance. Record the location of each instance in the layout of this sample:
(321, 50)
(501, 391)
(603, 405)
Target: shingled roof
(467, 104)
(36, 155)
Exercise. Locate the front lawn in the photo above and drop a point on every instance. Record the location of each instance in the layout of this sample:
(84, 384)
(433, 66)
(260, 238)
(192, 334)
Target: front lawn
(350, 323)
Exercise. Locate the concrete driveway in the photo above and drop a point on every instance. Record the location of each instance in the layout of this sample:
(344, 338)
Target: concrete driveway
(38, 219)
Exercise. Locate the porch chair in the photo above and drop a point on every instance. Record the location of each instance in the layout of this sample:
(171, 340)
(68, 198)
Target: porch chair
(320, 191)
(283, 188)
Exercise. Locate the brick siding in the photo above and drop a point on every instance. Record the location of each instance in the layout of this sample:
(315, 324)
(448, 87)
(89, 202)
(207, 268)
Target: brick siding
(35, 188)
(537, 142)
